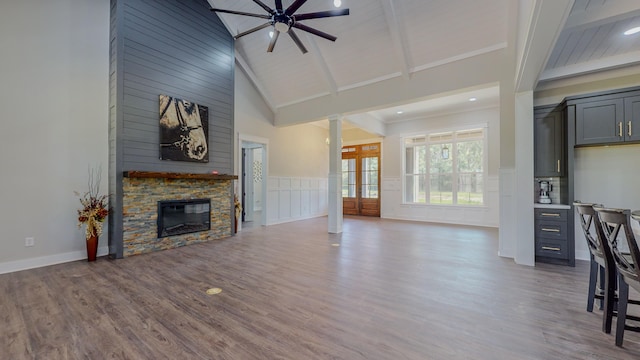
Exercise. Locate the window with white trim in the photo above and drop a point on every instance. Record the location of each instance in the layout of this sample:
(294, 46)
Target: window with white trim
(445, 168)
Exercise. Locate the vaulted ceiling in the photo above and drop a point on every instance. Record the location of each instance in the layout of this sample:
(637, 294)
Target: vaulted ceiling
(386, 39)
(593, 39)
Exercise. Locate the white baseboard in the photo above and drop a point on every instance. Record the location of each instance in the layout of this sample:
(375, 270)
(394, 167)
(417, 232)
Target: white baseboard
(440, 221)
(32, 263)
(583, 255)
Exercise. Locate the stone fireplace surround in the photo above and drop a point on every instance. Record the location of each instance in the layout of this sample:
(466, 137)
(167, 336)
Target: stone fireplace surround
(141, 193)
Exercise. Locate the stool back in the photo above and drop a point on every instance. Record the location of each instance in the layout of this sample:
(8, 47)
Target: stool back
(596, 240)
(612, 221)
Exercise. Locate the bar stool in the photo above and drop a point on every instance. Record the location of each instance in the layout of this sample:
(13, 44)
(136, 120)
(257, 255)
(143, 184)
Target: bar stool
(602, 264)
(612, 221)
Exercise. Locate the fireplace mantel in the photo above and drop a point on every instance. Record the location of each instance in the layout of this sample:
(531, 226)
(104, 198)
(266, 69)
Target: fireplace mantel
(168, 175)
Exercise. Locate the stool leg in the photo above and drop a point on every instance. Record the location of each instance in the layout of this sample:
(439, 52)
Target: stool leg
(593, 277)
(609, 299)
(623, 297)
(601, 281)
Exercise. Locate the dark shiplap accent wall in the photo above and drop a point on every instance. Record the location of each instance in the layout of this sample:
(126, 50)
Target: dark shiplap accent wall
(115, 130)
(175, 48)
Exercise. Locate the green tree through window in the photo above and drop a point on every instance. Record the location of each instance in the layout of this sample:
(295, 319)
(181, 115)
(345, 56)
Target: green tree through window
(445, 168)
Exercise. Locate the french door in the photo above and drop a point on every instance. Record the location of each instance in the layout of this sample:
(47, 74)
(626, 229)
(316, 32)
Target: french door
(361, 180)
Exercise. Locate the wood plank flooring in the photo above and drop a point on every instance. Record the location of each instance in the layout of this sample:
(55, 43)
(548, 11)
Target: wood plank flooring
(391, 290)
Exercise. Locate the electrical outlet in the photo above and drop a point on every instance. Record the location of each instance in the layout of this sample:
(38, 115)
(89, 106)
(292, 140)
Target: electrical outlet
(29, 241)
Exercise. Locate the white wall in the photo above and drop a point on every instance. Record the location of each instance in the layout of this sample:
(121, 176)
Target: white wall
(392, 154)
(297, 164)
(554, 92)
(606, 175)
(356, 136)
(298, 150)
(54, 98)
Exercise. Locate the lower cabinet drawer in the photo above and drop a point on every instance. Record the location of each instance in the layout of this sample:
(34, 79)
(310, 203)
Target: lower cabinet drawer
(551, 214)
(551, 248)
(551, 229)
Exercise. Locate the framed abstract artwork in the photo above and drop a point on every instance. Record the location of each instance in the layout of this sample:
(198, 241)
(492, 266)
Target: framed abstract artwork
(184, 129)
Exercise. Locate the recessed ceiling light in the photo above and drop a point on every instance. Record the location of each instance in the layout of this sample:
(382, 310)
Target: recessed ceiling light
(632, 31)
(337, 3)
(271, 34)
(399, 112)
(473, 99)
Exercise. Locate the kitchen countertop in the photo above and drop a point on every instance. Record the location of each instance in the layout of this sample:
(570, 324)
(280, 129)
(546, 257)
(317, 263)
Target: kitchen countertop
(551, 206)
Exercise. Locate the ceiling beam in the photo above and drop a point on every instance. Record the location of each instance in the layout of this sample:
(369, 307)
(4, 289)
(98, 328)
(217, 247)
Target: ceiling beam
(367, 123)
(482, 69)
(542, 23)
(399, 37)
(256, 82)
(607, 63)
(321, 63)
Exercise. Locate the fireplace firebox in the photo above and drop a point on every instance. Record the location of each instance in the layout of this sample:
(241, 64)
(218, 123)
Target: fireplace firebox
(176, 217)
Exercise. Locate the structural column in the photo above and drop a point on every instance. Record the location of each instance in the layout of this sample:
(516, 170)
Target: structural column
(524, 213)
(335, 174)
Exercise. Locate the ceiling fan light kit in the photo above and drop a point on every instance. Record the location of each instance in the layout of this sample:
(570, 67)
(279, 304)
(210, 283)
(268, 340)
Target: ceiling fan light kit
(284, 20)
(282, 27)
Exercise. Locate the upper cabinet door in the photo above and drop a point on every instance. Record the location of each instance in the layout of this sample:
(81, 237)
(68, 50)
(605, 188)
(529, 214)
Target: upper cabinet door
(600, 122)
(631, 124)
(549, 143)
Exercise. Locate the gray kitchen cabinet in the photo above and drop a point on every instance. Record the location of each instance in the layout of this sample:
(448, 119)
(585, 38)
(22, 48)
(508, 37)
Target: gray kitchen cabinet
(632, 118)
(549, 142)
(600, 121)
(608, 119)
(553, 237)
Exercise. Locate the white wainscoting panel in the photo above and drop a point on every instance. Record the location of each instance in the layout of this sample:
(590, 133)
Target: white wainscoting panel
(293, 198)
(508, 232)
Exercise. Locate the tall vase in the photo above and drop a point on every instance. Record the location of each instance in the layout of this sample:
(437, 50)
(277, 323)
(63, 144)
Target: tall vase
(92, 247)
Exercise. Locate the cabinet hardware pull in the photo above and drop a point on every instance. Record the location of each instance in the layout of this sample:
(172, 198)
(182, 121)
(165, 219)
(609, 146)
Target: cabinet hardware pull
(558, 165)
(550, 214)
(551, 248)
(629, 128)
(550, 230)
(620, 129)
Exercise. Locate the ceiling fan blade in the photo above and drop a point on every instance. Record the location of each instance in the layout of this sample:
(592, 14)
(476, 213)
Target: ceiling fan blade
(242, 13)
(279, 5)
(252, 30)
(295, 6)
(265, 7)
(314, 31)
(296, 40)
(272, 44)
(321, 14)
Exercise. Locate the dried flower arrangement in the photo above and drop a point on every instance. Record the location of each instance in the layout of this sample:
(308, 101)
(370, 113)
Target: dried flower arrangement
(94, 206)
(238, 206)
